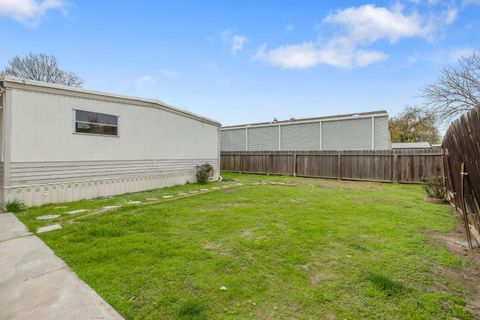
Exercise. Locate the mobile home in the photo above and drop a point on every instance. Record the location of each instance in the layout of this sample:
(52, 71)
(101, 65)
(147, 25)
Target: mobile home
(63, 144)
(358, 131)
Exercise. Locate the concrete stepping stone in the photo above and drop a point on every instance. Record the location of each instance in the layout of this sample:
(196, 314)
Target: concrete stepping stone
(49, 228)
(111, 207)
(48, 217)
(134, 202)
(77, 211)
(204, 189)
(215, 188)
(60, 207)
(151, 199)
(225, 187)
(167, 197)
(183, 194)
(193, 191)
(239, 184)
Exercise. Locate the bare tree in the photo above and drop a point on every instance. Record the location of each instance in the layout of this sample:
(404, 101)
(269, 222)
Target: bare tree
(457, 89)
(41, 67)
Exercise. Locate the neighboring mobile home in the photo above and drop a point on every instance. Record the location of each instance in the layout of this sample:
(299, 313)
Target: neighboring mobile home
(359, 131)
(63, 144)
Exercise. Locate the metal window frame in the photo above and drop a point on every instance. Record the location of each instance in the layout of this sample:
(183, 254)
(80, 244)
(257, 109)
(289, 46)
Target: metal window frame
(75, 121)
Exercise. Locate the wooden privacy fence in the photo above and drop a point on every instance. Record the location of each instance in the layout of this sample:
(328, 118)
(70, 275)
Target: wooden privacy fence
(404, 166)
(462, 169)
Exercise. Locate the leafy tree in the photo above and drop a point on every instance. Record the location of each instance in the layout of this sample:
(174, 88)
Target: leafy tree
(414, 124)
(41, 67)
(457, 89)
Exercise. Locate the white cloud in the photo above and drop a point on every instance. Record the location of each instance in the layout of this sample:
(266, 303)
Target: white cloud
(29, 11)
(470, 2)
(369, 23)
(144, 80)
(235, 42)
(356, 28)
(169, 73)
(455, 54)
(451, 15)
(289, 27)
(307, 55)
(411, 60)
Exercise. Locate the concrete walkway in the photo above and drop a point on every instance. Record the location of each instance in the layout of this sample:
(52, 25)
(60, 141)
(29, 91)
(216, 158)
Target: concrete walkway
(36, 284)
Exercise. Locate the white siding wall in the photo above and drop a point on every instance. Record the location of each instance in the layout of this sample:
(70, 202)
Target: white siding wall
(43, 129)
(155, 148)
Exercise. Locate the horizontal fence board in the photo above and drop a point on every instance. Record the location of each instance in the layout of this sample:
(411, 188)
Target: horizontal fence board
(406, 166)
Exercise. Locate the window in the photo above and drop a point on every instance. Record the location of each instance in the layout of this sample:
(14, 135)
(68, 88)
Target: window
(96, 123)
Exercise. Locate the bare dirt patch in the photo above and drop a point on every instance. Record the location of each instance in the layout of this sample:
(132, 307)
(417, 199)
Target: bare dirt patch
(317, 273)
(469, 274)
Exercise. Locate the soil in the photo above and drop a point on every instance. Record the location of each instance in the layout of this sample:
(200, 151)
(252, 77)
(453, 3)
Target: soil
(469, 274)
(434, 200)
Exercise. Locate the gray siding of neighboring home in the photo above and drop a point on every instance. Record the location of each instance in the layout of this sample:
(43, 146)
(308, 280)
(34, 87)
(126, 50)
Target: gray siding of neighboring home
(363, 132)
(234, 140)
(382, 135)
(263, 138)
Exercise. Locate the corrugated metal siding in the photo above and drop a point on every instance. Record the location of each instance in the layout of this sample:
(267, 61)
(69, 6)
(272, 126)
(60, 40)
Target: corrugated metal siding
(26, 173)
(264, 138)
(290, 137)
(233, 140)
(309, 136)
(331, 135)
(348, 134)
(382, 136)
(357, 134)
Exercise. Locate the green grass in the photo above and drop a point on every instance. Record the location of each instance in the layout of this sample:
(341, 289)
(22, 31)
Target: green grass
(311, 249)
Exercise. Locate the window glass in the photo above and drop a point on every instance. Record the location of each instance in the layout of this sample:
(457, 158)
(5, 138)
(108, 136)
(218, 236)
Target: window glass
(95, 117)
(96, 123)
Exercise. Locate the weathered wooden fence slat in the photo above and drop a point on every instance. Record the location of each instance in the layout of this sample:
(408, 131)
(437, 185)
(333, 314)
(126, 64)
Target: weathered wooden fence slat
(404, 166)
(462, 164)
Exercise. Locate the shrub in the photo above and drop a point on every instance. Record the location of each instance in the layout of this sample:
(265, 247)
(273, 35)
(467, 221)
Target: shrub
(204, 172)
(14, 206)
(435, 187)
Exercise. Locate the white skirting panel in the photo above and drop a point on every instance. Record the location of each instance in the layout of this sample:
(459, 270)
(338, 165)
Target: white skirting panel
(39, 194)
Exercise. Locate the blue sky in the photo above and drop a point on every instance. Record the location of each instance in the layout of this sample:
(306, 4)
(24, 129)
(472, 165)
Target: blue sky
(248, 61)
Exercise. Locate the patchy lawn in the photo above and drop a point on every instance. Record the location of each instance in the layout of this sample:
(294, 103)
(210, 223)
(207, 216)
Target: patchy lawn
(298, 249)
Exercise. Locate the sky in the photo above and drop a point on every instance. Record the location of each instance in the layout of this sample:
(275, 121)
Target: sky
(243, 61)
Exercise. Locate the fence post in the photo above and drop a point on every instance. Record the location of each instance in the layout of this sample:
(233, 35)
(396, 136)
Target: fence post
(462, 204)
(269, 161)
(339, 166)
(241, 162)
(394, 168)
(294, 164)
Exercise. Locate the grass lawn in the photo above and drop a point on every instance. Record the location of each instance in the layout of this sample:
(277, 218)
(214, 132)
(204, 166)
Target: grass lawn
(304, 249)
